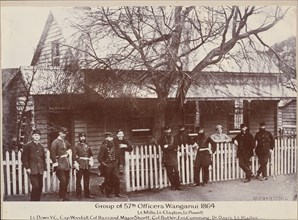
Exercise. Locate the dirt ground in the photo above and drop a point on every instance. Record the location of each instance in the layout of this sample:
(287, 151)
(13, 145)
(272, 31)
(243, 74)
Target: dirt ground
(274, 189)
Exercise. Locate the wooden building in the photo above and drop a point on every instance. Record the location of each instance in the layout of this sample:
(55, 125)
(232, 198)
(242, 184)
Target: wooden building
(77, 100)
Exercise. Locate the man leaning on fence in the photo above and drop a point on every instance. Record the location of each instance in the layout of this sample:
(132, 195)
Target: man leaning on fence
(245, 144)
(219, 136)
(60, 156)
(33, 159)
(123, 145)
(82, 162)
(264, 149)
(169, 158)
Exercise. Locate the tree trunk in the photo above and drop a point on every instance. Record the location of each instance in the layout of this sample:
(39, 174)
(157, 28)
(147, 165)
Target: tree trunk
(159, 118)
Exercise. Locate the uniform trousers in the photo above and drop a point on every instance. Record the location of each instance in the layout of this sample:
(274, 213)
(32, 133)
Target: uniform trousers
(37, 183)
(263, 161)
(85, 173)
(205, 173)
(173, 175)
(244, 164)
(63, 176)
(111, 175)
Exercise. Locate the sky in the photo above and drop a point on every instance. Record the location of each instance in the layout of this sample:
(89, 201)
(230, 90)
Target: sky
(21, 28)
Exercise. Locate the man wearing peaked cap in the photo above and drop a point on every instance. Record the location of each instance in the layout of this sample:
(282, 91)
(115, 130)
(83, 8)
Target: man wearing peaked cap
(264, 149)
(108, 158)
(60, 151)
(83, 161)
(33, 159)
(245, 144)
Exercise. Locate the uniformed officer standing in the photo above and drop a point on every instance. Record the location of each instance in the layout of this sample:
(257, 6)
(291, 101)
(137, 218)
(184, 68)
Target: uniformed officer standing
(108, 158)
(33, 159)
(264, 148)
(170, 160)
(123, 145)
(60, 151)
(82, 162)
(203, 159)
(245, 144)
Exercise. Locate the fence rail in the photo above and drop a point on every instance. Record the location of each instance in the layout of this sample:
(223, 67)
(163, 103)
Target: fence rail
(144, 168)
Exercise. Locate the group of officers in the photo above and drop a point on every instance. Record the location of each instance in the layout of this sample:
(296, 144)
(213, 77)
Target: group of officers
(111, 158)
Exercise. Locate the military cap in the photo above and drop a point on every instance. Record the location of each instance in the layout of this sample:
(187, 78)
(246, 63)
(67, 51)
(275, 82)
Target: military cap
(81, 134)
(36, 131)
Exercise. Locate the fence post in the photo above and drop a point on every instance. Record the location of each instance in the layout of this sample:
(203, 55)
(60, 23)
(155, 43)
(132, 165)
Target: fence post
(155, 168)
(192, 163)
(229, 161)
(137, 156)
(13, 169)
(20, 177)
(133, 178)
(8, 173)
(151, 166)
(142, 171)
(289, 154)
(146, 167)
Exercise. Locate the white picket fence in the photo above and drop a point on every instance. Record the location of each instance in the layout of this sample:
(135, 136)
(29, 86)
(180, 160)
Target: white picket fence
(144, 168)
(16, 179)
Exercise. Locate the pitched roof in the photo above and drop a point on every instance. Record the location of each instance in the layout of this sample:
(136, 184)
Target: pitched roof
(69, 19)
(8, 75)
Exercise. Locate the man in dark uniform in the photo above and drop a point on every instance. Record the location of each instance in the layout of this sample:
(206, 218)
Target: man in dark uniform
(108, 157)
(82, 162)
(203, 158)
(60, 151)
(170, 158)
(33, 159)
(264, 148)
(245, 144)
(123, 145)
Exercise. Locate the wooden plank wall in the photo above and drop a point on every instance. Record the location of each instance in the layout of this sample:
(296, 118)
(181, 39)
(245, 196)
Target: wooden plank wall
(54, 33)
(289, 113)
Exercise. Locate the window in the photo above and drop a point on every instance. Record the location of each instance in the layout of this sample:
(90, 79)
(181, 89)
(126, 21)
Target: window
(141, 125)
(236, 116)
(55, 53)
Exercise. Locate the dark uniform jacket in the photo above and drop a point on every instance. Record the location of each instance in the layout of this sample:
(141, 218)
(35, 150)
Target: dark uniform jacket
(117, 143)
(108, 153)
(33, 157)
(58, 152)
(246, 144)
(169, 153)
(203, 154)
(265, 142)
(80, 154)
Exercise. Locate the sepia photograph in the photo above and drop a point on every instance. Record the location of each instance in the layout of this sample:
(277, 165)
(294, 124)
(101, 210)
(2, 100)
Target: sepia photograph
(159, 111)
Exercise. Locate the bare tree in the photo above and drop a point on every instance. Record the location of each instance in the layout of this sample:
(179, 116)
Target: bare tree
(173, 44)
